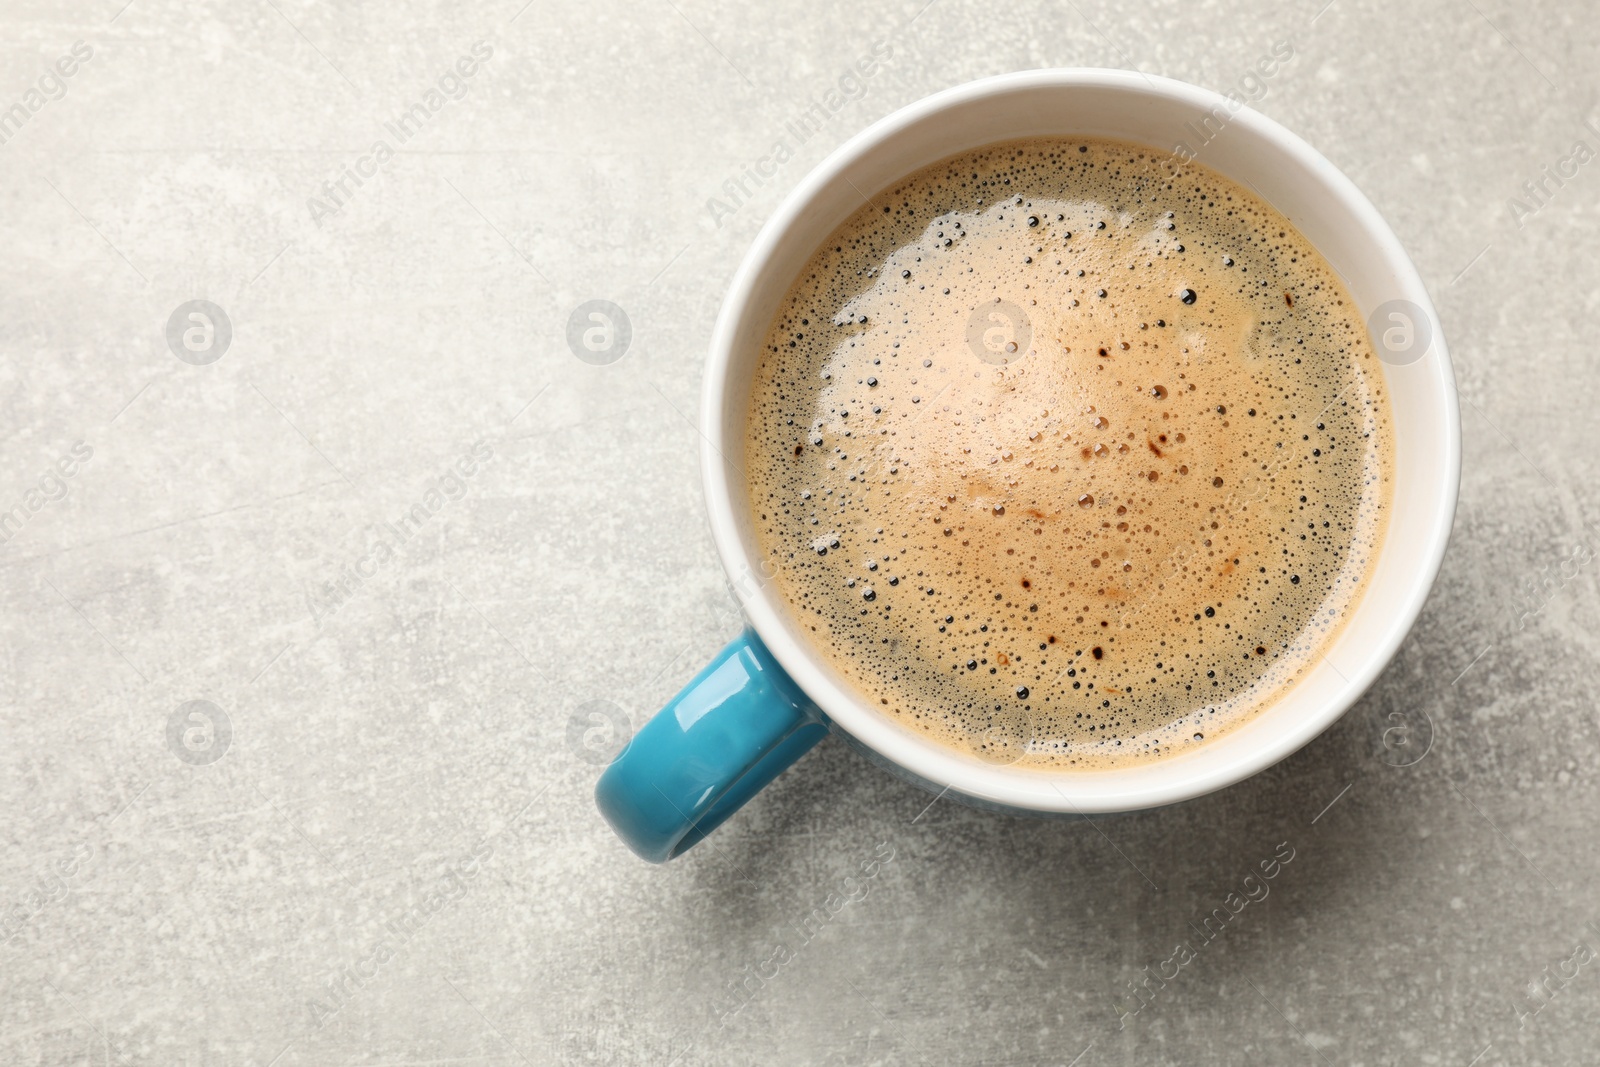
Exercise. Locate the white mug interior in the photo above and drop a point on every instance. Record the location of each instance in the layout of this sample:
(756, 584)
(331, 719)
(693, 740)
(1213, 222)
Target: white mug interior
(1244, 146)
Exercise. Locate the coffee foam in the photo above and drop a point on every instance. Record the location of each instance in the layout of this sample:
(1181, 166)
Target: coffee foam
(1065, 459)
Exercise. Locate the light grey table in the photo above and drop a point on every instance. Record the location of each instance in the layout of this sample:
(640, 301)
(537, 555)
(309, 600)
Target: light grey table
(374, 842)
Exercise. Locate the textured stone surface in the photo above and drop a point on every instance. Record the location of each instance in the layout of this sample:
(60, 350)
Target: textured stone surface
(399, 795)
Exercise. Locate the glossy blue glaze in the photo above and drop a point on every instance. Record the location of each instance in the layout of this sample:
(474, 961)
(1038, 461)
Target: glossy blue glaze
(738, 725)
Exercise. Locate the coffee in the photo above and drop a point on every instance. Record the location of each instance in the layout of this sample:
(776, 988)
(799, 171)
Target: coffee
(1066, 456)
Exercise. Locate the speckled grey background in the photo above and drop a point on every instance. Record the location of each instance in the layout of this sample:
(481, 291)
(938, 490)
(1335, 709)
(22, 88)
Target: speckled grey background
(396, 860)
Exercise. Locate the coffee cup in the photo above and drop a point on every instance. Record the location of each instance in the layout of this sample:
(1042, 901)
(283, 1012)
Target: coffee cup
(769, 696)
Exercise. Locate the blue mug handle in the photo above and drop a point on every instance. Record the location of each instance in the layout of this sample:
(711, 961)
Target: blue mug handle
(738, 725)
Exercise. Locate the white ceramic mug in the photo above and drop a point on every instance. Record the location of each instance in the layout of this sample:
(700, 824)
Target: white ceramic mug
(1168, 116)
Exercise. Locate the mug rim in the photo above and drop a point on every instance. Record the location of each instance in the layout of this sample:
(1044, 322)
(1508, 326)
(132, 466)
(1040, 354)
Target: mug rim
(1017, 786)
